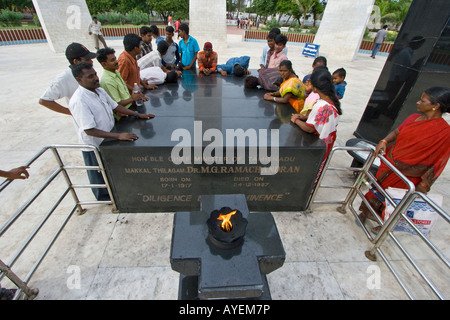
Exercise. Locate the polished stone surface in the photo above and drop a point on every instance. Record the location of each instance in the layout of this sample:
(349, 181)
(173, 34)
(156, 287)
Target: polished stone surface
(144, 176)
(419, 60)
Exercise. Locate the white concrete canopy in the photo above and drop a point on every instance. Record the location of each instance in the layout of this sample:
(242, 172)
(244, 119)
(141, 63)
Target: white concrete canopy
(64, 22)
(342, 28)
(207, 22)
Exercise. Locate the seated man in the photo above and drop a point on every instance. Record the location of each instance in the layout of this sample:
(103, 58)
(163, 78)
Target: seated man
(65, 84)
(128, 67)
(113, 83)
(172, 57)
(92, 110)
(278, 55)
(236, 66)
(207, 59)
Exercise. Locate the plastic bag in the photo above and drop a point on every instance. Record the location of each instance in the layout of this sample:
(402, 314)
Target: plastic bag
(420, 213)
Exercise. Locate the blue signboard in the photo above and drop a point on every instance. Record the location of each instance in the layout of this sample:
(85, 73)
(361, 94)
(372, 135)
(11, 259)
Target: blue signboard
(311, 50)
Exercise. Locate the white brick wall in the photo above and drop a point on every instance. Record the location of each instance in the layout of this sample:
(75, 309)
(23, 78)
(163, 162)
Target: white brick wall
(64, 22)
(207, 22)
(342, 28)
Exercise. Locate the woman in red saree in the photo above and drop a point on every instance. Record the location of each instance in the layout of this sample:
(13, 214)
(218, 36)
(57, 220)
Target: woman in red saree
(419, 148)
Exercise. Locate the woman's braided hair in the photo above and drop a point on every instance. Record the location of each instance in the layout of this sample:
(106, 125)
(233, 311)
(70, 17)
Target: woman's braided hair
(321, 79)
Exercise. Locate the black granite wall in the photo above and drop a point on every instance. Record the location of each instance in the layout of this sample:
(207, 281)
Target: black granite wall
(420, 59)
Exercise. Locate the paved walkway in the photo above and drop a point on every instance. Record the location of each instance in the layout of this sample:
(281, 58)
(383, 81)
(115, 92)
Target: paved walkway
(126, 256)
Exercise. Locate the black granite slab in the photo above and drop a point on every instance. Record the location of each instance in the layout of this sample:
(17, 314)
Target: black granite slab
(419, 59)
(144, 178)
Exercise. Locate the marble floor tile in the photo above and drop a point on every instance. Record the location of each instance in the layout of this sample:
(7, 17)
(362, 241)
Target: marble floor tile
(366, 281)
(134, 283)
(140, 240)
(304, 281)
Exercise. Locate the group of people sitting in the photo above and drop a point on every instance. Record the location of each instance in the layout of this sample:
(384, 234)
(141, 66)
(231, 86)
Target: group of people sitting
(419, 147)
(315, 98)
(95, 103)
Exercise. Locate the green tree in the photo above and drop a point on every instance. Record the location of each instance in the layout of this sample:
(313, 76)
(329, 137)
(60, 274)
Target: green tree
(287, 7)
(96, 6)
(16, 5)
(316, 10)
(397, 12)
(264, 8)
(305, 6)
(393, 12)
(176, 8)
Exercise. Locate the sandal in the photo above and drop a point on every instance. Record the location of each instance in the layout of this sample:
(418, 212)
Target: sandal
(7, 294)
(376, 230)
(363, 220)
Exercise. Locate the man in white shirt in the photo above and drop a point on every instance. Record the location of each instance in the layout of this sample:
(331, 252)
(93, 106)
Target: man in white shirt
(156, 76)
(154, 58)
(95, 29)
(92, 110)
(65, 84)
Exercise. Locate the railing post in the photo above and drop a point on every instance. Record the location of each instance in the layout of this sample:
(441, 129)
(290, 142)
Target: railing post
(359, 180)
(105, 178)
(387, 227)
(31, 293)
(80, 210)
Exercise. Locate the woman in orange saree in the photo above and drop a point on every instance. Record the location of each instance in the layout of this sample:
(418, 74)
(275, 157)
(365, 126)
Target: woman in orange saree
(419, 148)
(292, 90)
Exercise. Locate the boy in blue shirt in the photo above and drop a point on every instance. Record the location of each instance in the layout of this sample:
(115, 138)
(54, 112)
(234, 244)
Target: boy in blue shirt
(237, 66)
(339, 82)
(188, 47)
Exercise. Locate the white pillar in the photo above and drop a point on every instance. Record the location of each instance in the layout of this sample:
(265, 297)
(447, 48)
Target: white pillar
(207, 22)
(64, 22)
(342, 28)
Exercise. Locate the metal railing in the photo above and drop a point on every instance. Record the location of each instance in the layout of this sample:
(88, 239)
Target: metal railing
(23, 288)
(365, 177)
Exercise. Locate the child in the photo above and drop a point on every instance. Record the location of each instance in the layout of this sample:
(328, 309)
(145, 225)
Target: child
(171, 59)
(309, 101)
(339, 82)
(268, 50)
(318, 62)
(146, 42)
(278, 55)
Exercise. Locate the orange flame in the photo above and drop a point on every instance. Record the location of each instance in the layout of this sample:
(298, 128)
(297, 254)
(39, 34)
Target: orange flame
(226, 223)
